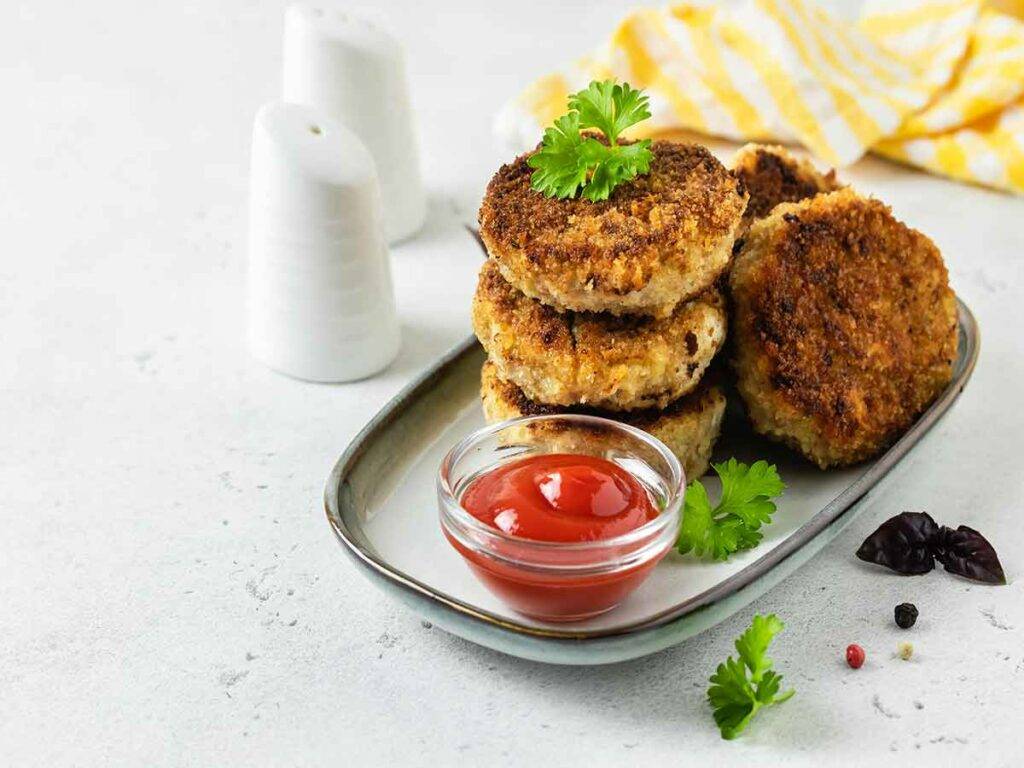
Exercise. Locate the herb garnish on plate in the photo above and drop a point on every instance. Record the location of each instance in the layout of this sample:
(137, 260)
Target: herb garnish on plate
(569, 161)
(734, 523)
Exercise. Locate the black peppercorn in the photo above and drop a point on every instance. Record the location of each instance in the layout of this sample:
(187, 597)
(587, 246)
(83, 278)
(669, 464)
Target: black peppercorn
(906, 615)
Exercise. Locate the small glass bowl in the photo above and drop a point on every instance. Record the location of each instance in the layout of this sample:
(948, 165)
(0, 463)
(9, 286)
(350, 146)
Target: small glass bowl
(558, 581)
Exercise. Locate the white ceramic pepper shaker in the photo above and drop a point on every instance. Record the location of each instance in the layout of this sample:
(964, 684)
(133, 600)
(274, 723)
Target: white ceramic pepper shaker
(321, 303)
(355, 72)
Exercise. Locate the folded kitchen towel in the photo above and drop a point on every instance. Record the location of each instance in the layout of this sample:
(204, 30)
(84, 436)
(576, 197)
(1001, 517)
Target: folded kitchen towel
(939, 85)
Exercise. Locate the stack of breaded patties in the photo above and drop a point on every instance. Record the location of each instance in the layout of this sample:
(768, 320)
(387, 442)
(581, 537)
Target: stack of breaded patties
(611, 308)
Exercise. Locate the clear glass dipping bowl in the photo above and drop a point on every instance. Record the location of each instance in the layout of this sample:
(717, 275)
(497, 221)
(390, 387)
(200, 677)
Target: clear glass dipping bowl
(557, 581)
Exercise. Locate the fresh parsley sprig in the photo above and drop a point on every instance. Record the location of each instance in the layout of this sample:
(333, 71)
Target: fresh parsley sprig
(740, 687)
(734, 523)
(569, 161)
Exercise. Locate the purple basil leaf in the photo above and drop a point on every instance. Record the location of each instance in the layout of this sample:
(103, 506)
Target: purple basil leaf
(967, 553)
(902, 543)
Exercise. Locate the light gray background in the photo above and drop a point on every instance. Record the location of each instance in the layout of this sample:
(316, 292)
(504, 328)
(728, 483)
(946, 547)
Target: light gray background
(171, 593)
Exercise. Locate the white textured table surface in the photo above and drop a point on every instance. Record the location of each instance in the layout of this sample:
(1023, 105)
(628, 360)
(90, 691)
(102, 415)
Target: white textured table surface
(171, 593)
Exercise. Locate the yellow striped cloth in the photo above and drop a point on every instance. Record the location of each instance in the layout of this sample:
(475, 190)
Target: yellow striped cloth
(939, 85)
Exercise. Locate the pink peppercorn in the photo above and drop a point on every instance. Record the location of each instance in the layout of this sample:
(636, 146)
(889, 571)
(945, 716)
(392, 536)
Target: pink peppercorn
(855, 656)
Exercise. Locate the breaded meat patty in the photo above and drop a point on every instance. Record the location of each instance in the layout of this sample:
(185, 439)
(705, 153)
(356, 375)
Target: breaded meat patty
(689, 426)
(618, 363)
(844, 326)
(658, 240)
(771, 175)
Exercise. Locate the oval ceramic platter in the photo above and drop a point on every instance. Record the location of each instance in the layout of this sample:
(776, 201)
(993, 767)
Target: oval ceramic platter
(381, 505)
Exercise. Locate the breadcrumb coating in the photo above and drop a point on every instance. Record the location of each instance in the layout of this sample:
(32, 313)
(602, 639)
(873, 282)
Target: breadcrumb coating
(771, 175)
(844, 326)
(617, 363)
(689, 426)
(659, 240)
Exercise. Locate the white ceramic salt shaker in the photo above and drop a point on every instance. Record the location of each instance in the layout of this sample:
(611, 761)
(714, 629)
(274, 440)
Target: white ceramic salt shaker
(355, 72)
(321, 303)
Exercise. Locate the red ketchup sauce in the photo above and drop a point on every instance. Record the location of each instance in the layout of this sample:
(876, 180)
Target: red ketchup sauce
(567, 499)
(560, 497)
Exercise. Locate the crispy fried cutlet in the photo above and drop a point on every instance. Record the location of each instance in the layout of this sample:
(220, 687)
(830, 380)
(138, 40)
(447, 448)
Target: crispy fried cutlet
(844, 326)
(619, 363)
(661, 239)
(689, 426)
(771, 175)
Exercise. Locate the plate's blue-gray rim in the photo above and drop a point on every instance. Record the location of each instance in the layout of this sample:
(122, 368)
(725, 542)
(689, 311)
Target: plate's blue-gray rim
(833, 511)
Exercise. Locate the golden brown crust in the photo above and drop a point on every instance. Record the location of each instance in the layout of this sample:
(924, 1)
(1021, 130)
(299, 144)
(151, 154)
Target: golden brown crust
(689, 426)
(771, 175)
(660, 239)
(845, 327)
(619, 363)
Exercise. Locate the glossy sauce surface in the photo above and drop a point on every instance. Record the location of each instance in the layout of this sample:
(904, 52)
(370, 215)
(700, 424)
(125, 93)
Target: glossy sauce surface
(560, 497)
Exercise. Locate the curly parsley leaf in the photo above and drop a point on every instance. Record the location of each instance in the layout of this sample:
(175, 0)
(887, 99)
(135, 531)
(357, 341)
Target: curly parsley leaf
(610, 107)
(740, 687)
(615, 165)
(734, 523)
(560, 168)
(568, 162)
